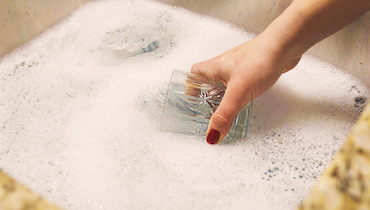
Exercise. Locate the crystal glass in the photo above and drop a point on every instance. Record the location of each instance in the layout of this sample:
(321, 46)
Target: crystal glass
(190, 102)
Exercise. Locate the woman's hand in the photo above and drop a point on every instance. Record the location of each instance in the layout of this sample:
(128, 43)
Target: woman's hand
(247, 71)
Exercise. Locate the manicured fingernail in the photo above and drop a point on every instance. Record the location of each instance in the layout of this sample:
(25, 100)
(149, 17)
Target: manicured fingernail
(213, 136)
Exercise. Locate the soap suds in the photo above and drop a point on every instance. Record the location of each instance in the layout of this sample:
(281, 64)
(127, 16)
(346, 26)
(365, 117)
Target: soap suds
(81, 127)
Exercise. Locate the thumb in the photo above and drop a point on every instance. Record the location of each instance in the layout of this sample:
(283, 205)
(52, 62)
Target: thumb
(221, 121)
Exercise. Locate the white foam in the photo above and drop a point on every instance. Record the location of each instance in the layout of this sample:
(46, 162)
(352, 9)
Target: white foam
(81, 127)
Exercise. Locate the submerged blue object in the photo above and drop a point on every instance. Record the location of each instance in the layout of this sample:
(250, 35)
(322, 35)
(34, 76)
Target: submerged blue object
(122, 53)
(152, 46)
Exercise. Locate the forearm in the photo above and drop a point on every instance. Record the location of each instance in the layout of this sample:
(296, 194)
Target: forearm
(306, 22)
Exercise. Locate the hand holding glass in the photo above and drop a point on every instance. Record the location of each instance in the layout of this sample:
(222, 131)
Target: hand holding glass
(190, 102)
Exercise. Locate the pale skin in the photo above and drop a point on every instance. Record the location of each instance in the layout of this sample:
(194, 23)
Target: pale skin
(252, 68)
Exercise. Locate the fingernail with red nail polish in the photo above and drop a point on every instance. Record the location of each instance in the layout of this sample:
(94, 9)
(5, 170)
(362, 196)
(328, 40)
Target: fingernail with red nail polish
(213, 136)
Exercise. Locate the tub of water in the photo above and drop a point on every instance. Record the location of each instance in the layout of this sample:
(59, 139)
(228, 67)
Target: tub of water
(80, 126)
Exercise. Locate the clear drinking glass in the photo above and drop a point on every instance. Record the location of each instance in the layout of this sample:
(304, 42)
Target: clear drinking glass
(190, 102)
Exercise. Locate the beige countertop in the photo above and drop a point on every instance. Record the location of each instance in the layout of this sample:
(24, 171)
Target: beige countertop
(345, 184)
(14, 196)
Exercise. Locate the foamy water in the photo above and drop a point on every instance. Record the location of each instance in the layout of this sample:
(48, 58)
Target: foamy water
(81, 127)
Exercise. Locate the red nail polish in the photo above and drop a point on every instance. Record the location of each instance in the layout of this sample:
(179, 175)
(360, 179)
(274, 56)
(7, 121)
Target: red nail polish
(213, 136)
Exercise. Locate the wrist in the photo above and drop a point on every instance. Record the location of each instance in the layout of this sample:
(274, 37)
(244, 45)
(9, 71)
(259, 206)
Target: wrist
(306, 22)
(285, 35)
